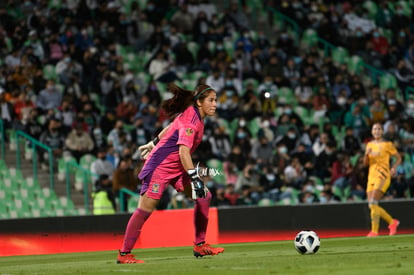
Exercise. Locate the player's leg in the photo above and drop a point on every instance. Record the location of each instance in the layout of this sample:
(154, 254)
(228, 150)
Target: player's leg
(201, 210)
(133, 230)
(151, 192)
(392, 223)
(374, 214)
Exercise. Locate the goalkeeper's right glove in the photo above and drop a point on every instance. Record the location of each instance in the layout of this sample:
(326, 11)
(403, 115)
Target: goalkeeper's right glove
(146, 148)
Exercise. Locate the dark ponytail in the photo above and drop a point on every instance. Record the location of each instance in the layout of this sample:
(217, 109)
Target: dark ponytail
(183, 98)
(179, 102)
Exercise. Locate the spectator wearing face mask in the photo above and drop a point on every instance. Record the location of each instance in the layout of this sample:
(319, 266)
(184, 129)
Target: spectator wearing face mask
(79, 142)
(290, 139)
(53, 138)
(49, 97)
(101, 165)
(228, 103)
(262, 150)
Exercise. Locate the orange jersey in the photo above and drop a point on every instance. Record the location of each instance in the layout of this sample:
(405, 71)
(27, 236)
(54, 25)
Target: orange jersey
(379, 176)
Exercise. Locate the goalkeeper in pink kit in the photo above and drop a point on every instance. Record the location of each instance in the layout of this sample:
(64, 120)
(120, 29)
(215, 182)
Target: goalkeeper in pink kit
(168, 162)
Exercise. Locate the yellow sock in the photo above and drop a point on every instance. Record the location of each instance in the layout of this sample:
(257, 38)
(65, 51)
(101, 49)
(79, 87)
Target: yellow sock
(375, 217)
(384, 215)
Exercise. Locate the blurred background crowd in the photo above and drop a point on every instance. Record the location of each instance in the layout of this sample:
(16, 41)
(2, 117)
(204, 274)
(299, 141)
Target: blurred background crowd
(86, 77)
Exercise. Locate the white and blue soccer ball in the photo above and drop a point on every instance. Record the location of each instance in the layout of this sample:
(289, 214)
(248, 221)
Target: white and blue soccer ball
(307, 242)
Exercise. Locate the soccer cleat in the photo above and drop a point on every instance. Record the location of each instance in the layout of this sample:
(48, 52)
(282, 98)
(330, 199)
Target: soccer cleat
(372, 234)
(393, 227)
(206, 249)
(127, 259)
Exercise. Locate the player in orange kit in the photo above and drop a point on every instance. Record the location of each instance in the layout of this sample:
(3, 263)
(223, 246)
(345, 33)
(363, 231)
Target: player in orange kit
(378, 153)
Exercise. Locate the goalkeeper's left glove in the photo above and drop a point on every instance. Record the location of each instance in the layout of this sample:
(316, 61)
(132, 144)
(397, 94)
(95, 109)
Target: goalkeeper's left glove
(198, 189)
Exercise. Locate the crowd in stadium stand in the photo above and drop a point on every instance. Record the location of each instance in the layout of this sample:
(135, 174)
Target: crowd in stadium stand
(291, 123)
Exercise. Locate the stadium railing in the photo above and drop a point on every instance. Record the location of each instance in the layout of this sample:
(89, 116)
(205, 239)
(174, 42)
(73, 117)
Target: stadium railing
(35, 144)
(84, 177)
(122, 197)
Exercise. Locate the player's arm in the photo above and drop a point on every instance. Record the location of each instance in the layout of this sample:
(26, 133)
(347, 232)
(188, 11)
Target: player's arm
(365, 160)
(146, 148)
(393, 169)
(198, 189)
(185, 157)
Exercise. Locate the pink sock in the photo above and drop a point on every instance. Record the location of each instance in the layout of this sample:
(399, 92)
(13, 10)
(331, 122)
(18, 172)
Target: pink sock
(133, 229)
(201, 208)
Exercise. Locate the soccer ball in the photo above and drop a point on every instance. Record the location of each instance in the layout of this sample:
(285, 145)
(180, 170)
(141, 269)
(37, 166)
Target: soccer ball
(307, 242)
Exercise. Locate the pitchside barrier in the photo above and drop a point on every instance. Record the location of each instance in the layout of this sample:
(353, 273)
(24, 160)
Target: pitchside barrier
(169, 228)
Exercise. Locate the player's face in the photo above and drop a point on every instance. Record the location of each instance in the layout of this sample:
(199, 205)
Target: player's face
(209, 105)
(377, 131)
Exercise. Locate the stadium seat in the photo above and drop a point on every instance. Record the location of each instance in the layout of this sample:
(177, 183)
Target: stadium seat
(145, 77)
(355, 64)
(82, 178)
(229, 47)
(133, 203)
(286, 96)
(254, 126)
(23, 208)
(62, 162)
(302, 112)
(86, 160)
(193, 48)
(372, 9)
(4, 209)
(49, 72)
(387, 81)
(65, 203)
(309, 38)
(340, 55)
(407, 7)
(266, 202)
(218, 166)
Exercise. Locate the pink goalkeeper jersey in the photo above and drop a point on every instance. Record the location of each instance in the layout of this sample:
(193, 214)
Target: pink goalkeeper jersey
(186, 129)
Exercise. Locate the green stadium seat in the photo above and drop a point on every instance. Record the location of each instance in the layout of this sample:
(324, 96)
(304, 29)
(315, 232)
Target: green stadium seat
(254, 126)
(309, 38)
(62, 162)
(302, 112)
(81, 177)
(229, 47)
(49, 72)
(286, 96)
(355, 64)
(193, 48)
(145, 77)
(212, 46)
(340, 55)
(372, 8)
(266, 202)
(133, 203)
(86, 160)
(218, 166)
(388, 81)
(66, 203)
(407, 7)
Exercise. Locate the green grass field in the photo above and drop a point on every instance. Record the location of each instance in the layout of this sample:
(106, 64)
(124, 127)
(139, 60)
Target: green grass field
(357, 255)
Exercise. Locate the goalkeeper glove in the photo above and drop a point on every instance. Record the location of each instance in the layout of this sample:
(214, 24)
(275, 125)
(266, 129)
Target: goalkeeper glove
(146, 148)
(198, 189)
